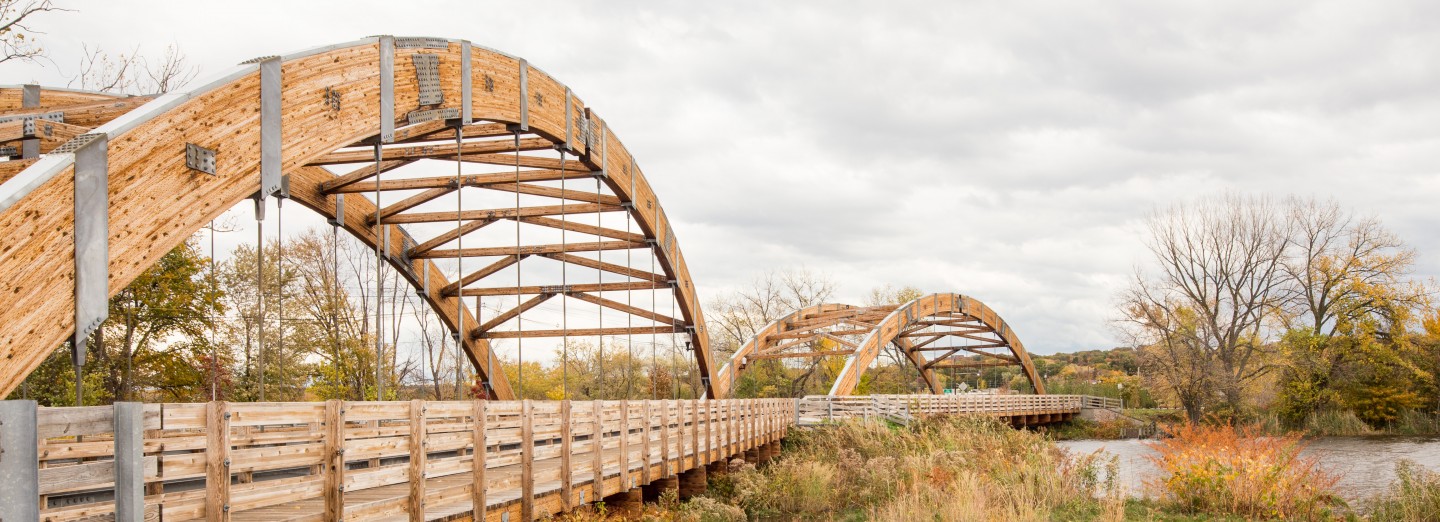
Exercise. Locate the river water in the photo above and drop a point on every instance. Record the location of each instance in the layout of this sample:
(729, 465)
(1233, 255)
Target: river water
(1366, 465)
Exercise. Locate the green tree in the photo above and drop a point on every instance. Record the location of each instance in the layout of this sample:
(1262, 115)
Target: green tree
(155, 344)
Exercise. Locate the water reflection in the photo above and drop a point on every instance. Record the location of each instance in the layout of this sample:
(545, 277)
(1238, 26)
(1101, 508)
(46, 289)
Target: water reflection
(1366, 464)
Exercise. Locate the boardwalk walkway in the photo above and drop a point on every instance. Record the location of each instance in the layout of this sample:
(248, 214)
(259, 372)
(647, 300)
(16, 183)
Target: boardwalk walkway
(359, 460)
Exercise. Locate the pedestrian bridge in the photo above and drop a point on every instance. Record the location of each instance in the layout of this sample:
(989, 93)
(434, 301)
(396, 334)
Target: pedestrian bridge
(415, 460)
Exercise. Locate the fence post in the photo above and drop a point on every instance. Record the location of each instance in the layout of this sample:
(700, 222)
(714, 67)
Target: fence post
(665, 468)
(625, 482)
(679, 463)
(645, 442)
(728, 431)
(709, 433)
(597, 453)
(416, 503)
(129, 462)
(334, 466)
(527, 461)
(567, 493)
(217, 462)
(477, 464)
(19, 461)
(680, 441)
(749, 424)
(695, 433)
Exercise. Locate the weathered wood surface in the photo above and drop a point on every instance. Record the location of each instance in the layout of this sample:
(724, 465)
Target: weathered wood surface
(412, 460)
(329, 105)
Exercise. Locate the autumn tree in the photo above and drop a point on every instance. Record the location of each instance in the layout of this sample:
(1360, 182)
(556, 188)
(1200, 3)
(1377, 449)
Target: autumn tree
(153, 345)
(1208, 307)
(1351, 299)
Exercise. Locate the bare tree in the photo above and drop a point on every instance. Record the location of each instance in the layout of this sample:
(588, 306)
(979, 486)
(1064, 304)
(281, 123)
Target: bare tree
(170, 71)
(133, 73)
(736, 317)
(1222, 260)
(17, 41)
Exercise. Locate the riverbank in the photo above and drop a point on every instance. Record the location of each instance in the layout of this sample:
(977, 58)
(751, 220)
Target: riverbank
(1321, 424)
(971, 469)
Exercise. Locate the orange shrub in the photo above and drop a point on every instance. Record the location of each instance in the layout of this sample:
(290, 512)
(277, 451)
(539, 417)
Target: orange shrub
(1237, 471)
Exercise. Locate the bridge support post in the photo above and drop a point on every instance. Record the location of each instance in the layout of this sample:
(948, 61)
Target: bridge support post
(692, 483)
(19, 461)
(129, 462)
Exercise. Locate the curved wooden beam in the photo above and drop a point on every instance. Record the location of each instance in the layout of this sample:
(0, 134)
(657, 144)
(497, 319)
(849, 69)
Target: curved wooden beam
(331, 98)
(915, 312)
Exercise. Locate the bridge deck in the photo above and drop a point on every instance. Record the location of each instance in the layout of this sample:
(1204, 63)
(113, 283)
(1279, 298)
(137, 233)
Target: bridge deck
(356, 460)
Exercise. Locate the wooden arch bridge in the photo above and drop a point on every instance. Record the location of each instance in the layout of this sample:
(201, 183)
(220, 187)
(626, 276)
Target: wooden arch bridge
(930, 324)
(99, 187)
(111, 184)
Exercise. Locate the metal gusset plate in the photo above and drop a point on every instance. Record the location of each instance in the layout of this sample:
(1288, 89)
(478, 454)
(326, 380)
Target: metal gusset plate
(427, 76)
(422, 116)
(200, 158)
(421, 42)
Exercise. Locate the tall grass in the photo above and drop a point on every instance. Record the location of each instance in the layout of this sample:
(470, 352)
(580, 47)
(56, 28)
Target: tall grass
(944, 468)
(1237, 471)
(1415, 496)
(1414, 422)
(1336, 423)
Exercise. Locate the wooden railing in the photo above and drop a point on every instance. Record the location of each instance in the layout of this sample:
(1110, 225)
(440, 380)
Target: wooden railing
(336, 460)
(816, 409)
(1102, 403)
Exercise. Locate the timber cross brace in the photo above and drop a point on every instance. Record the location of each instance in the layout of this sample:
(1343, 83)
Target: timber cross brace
(943, 324)
(366, 108)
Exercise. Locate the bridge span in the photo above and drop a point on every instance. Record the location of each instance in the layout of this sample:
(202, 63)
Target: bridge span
(413, 460)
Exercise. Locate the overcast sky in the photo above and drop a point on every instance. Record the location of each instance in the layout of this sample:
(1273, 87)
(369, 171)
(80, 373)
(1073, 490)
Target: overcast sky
(1005, 150)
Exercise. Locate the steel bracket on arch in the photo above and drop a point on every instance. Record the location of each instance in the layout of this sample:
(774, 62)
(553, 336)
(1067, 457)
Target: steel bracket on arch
(466, 102)
(339, 218)
(30, 97)
(92, 236)
(387, 89)
(524, 95)
(271, 139)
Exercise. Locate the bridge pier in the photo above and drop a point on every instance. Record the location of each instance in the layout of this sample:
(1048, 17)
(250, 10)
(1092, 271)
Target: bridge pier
(693, 483)
(718, 468)
(659, 486)
(752, 456)
(626, 503)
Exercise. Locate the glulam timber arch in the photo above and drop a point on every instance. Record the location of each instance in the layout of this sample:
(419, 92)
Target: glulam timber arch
(954, 327)
(320, 118)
